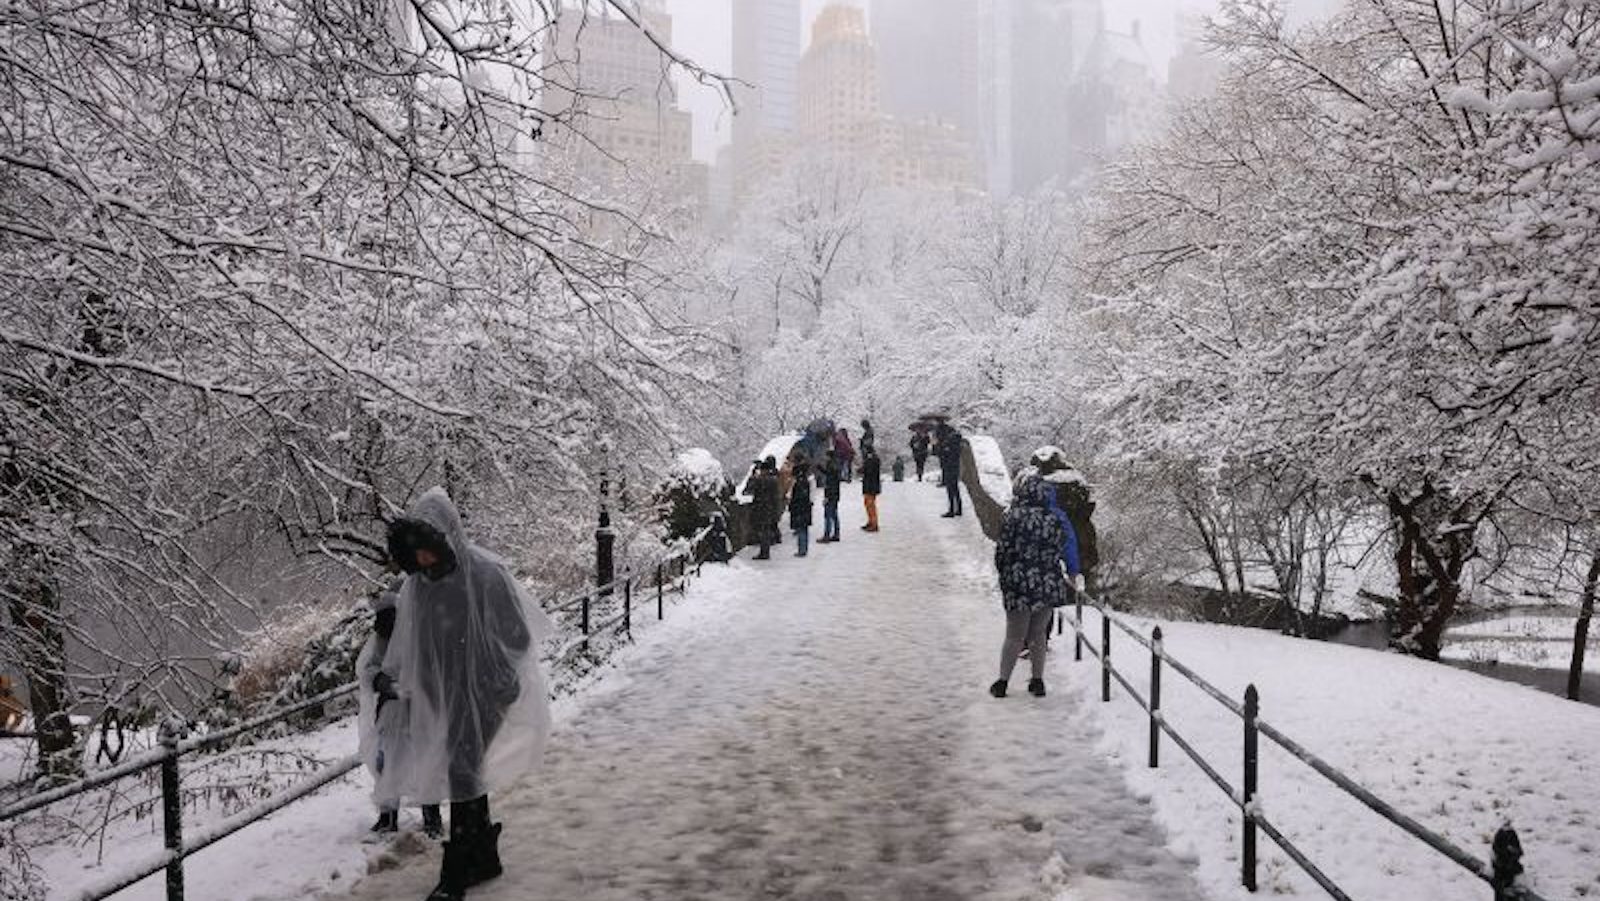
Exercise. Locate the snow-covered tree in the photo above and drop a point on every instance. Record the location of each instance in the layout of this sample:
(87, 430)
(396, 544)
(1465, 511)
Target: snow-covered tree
(269, 270)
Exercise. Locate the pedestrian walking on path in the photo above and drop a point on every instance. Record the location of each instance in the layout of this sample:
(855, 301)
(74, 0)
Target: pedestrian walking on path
(869, 438)
(871, 487)
(919, 450)
(831, 477)
(800, 508)
(1028, 558)
(950, 467)
(464, 657)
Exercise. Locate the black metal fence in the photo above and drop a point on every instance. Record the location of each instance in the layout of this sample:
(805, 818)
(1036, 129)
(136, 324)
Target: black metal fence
(670, 574)
(1500, 872)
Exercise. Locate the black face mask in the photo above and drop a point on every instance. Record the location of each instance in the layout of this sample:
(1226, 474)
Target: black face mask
(407, 536)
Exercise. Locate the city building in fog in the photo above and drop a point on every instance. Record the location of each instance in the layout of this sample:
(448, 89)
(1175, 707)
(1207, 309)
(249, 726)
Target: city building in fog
(928, 60)
(1055, 124)
(838, 100)
(841, 113)
(1193, 72)
(766, 65)
(631, 126)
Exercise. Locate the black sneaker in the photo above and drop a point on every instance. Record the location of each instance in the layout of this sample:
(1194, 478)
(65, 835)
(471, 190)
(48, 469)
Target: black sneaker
(998, 689)
(948, 515)
(1036, 687)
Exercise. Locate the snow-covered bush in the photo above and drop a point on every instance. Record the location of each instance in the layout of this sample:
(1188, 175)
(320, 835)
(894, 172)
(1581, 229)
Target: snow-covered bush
(303, 651)
(694, 488)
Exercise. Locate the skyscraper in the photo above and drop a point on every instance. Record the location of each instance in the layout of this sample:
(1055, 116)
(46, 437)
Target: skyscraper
(928, 61)
(616, 77)
(766, 59)
(1046, 42)
(838, 99)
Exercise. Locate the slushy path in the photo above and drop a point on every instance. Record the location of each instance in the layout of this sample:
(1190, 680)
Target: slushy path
(826, 734)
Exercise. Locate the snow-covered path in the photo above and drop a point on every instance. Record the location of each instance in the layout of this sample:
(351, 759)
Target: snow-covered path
(823, 732)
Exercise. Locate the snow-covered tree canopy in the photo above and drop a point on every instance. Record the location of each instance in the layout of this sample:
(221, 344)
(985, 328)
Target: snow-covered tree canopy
(1372, 257)
(271, 268)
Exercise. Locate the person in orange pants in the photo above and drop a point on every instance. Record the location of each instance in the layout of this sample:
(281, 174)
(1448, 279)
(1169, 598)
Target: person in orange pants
(871, 487)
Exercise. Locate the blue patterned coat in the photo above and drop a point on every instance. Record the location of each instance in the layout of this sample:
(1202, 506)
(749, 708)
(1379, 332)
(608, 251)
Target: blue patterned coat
(1031, 541)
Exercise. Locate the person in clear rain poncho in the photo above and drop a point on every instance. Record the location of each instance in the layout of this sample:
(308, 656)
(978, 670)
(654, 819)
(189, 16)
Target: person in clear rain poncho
(464, 659)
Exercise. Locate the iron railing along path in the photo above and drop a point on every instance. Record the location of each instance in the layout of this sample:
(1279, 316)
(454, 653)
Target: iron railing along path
(1500, 872)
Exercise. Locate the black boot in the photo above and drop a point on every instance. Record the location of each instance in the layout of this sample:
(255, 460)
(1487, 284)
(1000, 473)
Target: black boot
(388, 821)
(453, 873)
(1036, 687)
(998, 689)
(484, 864)
(432, 822)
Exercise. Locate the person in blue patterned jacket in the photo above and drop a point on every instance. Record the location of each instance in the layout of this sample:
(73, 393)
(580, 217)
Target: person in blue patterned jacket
(1034, 545)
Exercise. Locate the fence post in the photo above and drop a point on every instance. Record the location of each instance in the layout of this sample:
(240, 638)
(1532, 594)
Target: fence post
(627, 601)
(1252, 710)
(1077, 634)
(584, 620)
(1507, 862)
(1105, 656)
(605, 541)
(661, 578)
(1155, 698)
(172, 806)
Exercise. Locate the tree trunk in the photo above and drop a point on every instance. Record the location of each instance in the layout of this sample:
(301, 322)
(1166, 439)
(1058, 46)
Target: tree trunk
(37, 618)
(1430, 553)
(1580, 631)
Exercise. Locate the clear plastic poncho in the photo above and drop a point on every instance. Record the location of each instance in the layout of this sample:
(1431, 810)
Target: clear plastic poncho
(381, 728)
(465, 659)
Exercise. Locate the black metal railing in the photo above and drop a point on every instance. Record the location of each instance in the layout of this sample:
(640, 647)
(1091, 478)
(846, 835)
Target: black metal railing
(671, 573)
(1500, 872)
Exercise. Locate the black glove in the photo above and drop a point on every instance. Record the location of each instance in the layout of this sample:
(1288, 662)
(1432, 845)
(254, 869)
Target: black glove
(383, 687)
(383, 684)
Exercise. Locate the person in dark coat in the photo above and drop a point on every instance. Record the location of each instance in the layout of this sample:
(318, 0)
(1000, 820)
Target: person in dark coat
(800, 508)
(950, 468)
(762, 487)
(919, 451)
(830, 479)
(1074, 506)
(846, 452)
(871, 487)
(1029, 555)
(869, 438)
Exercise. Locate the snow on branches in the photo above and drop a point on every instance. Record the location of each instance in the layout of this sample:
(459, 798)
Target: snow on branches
(270, 268)
(1372, 258)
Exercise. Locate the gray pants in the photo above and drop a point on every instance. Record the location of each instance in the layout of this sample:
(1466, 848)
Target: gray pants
(1030, 628)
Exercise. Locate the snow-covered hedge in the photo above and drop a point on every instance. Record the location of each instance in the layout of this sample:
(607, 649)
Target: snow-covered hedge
(695, 488)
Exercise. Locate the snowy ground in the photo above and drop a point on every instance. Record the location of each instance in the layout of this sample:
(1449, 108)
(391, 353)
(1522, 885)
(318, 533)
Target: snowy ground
(1543, 641)
(819, 729)
(1459, 752)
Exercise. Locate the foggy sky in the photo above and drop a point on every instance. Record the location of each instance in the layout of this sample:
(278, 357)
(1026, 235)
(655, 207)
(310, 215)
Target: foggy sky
(701, 30)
